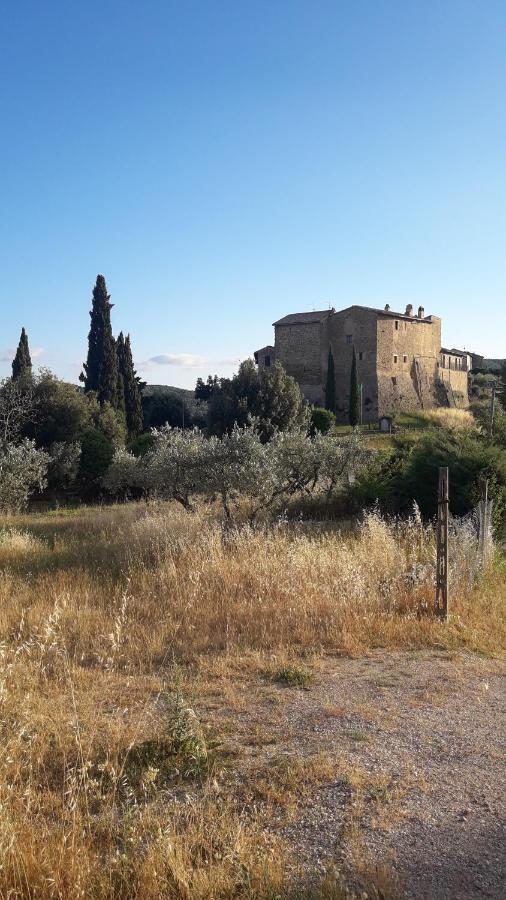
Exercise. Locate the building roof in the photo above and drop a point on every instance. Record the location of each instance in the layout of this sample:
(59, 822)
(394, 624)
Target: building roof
(388, 312)
(304, 318)
(454, 352)
(268, 349)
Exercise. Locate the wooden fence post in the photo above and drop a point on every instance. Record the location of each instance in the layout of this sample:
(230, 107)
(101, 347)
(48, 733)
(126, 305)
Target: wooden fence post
(441, 605)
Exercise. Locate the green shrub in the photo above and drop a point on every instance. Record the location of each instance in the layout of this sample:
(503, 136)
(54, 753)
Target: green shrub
(97, 453)
(142, 444)
(293, 676)
(322, 420)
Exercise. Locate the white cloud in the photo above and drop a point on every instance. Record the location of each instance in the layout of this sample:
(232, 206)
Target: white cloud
(187, 360)
(9, 354)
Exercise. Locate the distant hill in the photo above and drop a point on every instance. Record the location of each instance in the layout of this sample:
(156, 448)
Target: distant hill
(152, 389)
(493, 364)
(163, 403)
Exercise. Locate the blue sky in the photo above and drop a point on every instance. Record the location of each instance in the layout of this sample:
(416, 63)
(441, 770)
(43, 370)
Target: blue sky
(225, 163)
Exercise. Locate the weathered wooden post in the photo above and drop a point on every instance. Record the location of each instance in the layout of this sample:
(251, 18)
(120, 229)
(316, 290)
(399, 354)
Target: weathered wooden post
(441, 605)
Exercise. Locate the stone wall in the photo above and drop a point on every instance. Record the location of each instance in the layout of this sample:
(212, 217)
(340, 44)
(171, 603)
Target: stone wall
(398, 361)
(354, 328)
(408, 358)
(298, 349)
(456, 386)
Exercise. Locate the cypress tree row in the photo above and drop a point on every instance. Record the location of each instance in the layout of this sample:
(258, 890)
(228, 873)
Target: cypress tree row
(130, 386)
(101, 368)
(330, 384)
(22, 362)
(354, 393)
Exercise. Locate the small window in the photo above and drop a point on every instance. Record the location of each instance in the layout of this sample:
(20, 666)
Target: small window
(349, 339)
(361, 355)
(395, 357)
(396, 326)
(405, 358)
(267, 360)
(394, 381)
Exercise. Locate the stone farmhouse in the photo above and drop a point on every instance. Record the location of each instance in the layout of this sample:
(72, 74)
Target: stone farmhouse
(401, 365)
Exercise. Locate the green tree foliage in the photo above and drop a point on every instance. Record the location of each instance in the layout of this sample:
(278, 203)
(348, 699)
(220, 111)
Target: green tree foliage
(269, 396)
(172, 406)
(183, 465)
(330, 384)
(63, 411)
(23, 470)
(22, 362)
(129, 392)
(101, 368)
(18, 406)
(354, 413)
(60, 412)
(97, 453)
(470, 459)
(322, 420)
(411, 473)
(501, 387)
(204, 389)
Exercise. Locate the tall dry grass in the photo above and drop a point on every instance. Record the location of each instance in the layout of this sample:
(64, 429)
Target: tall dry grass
(460, 419)
(109, 785)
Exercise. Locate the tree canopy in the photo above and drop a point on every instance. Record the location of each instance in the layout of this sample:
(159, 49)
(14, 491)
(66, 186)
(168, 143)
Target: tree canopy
(22, 362)
(101, 367)
(269, 396)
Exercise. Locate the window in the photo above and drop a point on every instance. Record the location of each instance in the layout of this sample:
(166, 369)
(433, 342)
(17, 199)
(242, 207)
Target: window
(405, 358)
(395, 357)
(361, 355)
(267, 360)
(396, 326)
(394, 381)
(349, 339)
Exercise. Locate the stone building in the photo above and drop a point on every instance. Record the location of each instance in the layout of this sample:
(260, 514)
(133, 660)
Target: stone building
(400, 363)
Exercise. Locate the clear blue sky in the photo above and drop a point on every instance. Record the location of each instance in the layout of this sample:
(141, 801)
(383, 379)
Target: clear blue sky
(225, 163)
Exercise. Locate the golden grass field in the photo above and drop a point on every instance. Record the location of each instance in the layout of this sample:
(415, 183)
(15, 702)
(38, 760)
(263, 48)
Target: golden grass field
(115, 622)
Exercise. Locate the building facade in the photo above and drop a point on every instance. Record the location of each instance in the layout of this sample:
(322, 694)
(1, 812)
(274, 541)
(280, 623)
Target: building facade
(400, 363)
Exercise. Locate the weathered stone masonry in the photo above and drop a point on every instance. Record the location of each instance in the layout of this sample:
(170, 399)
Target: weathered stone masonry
(400, 363)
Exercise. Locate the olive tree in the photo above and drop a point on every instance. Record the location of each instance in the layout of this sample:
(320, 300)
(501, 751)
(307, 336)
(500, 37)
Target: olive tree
(23, 469)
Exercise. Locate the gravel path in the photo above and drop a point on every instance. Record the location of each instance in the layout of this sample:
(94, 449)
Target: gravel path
(421, 787)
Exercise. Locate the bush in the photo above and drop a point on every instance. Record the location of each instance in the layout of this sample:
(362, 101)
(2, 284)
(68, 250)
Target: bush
(97, 453)
(322, 420)
(142, 444)
(23, 470)
(411, 473)
(64, 460)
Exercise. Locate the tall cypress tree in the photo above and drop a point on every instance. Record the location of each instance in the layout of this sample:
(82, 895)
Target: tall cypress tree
(354, 392)
(129, 386)
(22, 362)
(101, 368)
(120, 353)
(330, 384)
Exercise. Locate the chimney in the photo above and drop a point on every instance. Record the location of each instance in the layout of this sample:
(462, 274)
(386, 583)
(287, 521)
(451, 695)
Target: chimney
(387, 307)
(409, 309)
(421, 312)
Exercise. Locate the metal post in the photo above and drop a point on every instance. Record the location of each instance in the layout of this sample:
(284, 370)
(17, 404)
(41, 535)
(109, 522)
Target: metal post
(441, 605)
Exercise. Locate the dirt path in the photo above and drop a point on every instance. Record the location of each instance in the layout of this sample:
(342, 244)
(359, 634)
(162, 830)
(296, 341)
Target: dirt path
(418, 744)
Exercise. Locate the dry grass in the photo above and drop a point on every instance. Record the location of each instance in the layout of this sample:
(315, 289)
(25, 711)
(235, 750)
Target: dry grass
(461, 419)
(109, 784)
